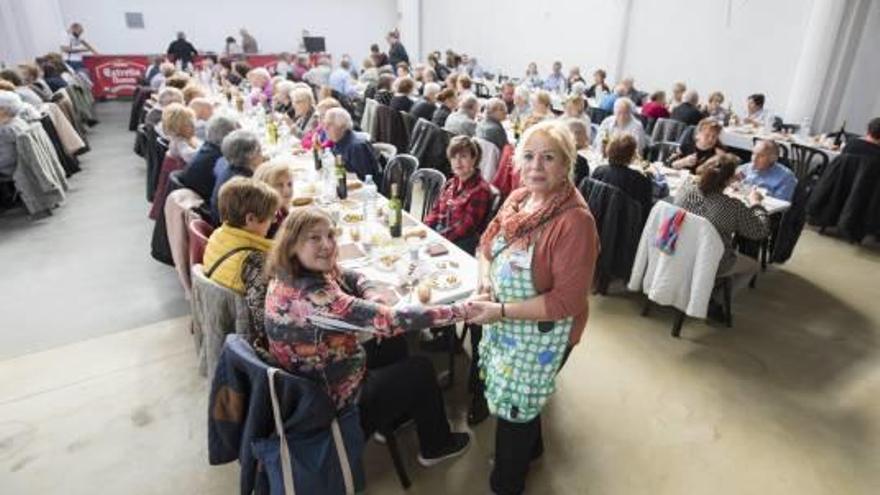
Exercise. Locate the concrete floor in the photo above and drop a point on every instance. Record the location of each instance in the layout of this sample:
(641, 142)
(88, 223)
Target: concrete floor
(786, 402)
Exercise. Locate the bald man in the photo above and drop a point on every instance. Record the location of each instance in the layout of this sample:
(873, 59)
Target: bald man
(765, 172)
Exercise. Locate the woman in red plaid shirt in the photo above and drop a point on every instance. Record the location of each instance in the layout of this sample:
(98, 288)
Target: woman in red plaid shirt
(466, 198)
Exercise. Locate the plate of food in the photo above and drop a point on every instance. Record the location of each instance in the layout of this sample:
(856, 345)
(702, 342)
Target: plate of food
(352, 217)
(302, 201)
(386, 262)
(445, 280)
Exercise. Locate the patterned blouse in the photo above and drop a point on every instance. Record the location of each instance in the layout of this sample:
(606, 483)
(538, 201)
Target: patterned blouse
(729, 216)
(301, 342)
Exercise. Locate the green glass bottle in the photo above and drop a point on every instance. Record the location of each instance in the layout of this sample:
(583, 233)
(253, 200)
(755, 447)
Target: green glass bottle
(395, 213)
(341, 184)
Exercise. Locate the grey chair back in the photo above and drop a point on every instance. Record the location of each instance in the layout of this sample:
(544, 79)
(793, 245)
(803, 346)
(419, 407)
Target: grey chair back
(667, 130)
(432, 182)
(398, 171)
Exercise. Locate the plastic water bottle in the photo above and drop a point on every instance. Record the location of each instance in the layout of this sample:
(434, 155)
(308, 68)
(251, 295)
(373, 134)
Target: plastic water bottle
(328, 164)
(805, 128)
(370, 193)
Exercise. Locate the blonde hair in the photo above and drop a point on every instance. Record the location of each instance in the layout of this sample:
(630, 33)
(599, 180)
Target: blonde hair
(175, 117)
(191, 92)
(327, 104)
(559, 135)
(543, 97)
(270, 172)
(281, 261)
(242, 195)
(300, 94)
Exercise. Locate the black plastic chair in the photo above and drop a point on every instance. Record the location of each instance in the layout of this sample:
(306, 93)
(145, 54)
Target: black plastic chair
(398, 171)
(667, 130)
(174, 180)
(662, 151)
(802, 161)
(724, 284)
(597, 115)
(409, 122)
(432, 183)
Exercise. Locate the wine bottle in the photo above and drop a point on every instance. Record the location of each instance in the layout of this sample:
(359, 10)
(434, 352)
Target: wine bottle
(341, 184)
(395, 210)
(316, 152)
(841, 135)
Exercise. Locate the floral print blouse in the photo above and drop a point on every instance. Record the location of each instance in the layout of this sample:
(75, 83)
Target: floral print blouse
(335, 358)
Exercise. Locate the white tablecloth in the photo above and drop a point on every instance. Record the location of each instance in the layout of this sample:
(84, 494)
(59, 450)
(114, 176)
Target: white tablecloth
(744, 140)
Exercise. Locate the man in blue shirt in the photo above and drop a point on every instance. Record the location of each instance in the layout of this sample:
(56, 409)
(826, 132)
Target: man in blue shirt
(607, 102)
(764, 171)
(555, 82)
(341, 80)
(356, 152)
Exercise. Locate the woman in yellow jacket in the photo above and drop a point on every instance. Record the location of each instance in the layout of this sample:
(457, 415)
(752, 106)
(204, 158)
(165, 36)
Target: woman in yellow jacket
(247, 209)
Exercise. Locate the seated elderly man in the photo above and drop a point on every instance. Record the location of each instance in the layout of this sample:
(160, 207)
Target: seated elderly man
(508, 89)
(427, 105)
(490, 128)
(521, 106)
(630, 91)
(555, 81)
(867, 145)
(166, 97)
(242, 155)
(765, 172)
(756, 112)
(199, 174)
(10, 126)
(342, 81)
(319, 75)
(462, 122)
(356, 152)
(689, 111)
(621, 122)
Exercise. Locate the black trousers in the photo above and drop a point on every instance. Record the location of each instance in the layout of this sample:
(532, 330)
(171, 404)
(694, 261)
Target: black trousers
(516, 444)
(405, 389)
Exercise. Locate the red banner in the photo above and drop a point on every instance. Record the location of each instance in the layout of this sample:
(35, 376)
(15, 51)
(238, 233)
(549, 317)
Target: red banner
(115, 76)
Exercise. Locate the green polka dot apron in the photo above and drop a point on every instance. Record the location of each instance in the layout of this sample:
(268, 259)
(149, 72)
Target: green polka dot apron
(519, 358)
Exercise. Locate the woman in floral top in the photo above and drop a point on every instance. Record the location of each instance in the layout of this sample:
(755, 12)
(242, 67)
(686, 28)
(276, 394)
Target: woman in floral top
(314, 313)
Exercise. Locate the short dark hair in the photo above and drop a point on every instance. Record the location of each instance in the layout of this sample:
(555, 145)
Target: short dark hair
(658, 95)
(715, 172)
(405, 85)
(11, 76)
(242, 195)
(621, 150)
(464, 144)
(874, 128)
(758, 98)
(445, 94)
(385, 81)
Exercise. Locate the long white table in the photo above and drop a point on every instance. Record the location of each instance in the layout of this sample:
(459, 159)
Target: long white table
(743, 138)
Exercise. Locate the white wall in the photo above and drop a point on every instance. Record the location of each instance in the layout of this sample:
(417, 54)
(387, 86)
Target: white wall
(350, 26)
(29, 28)
(860, 101)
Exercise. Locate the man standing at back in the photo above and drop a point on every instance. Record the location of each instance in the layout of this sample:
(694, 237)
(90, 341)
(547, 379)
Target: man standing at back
(396, 51)
(182, 50)
(248, 42)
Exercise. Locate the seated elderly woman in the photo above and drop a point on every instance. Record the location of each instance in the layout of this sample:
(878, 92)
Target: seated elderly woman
(199, 174)
(356, 152)
(536, 260)
(465, 200)
(655, 108)
(402, 100)
(27, 94)
(490, 127)
(521, 106)
(305, 118)
(179, 126)
(581, 133)
(318, 131)
(261, 86)
(541, 104)
(166, 70)
(678, 91)
(705, 144)
(278, 176)
(166, 97)
(622, 122)
(599, 88)
(715, 109)
(204, 110)
(192, 91)
(32, 78)
(532, 79)
(576, 107)
(179, 80)
(464, 86)
(10, 126)
(427, 105)
(448, 102)
(621, 152)
(241, 156)
(383, 92)
(765, 172)
(247, 208)
(281, 98)
(463, 121)
(305, 281)
(729, 215)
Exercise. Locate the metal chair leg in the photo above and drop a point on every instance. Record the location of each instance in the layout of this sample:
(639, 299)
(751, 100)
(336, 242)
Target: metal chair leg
(728, 302)
(647, 308)
(452, 341)
(676, 326)
(394, 450)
